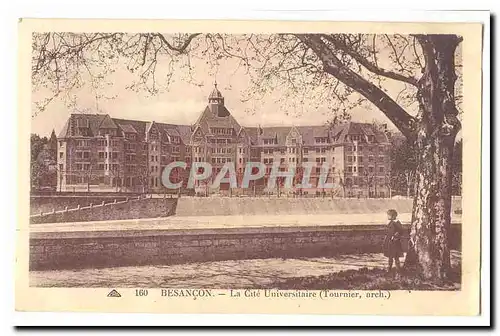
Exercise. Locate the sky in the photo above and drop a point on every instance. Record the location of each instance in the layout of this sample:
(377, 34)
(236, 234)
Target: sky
(182, 102)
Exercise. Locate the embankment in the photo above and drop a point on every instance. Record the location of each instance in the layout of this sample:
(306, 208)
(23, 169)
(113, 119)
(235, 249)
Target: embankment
(233, 206)
(48, 203)
(125, 209)
(96, 249)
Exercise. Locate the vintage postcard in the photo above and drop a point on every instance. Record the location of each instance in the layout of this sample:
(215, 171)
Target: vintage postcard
(265, 167)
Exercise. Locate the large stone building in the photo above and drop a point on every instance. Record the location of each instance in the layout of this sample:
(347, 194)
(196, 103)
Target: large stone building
(99, 153)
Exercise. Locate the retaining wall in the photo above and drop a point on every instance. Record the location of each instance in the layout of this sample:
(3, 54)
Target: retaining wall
(49, 203)
(227, 206)
(91, 249)
(131, 209)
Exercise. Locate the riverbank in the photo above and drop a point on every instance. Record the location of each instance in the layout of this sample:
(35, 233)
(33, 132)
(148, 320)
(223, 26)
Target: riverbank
(229, 274)
(370, 279)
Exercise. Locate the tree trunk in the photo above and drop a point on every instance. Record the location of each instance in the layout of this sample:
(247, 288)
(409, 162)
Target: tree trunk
(436, 132)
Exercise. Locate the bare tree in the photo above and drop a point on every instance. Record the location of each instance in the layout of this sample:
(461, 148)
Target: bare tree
(347, 69)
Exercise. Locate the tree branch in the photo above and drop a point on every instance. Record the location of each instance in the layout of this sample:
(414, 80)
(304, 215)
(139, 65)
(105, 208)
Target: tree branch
(182, 48)
(341, 45)
(401, 119)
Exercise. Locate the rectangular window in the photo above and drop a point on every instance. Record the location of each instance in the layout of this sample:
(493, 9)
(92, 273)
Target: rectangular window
(349, 169)
(306, 151)
(61, 154)
(381, 169)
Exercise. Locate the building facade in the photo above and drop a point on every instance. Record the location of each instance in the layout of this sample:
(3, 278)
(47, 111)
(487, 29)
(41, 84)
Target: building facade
(100, 153)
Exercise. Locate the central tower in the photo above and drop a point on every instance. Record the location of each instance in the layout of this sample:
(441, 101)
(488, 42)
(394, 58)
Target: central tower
(216, 102)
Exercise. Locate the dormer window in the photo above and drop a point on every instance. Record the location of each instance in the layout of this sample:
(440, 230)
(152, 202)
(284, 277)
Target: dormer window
(270, 141)
(321, 140)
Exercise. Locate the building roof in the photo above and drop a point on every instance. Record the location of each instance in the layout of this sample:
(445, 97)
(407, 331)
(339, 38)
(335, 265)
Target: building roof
(215, 93)
(210, 119)
(216, 115)
(127, 128)
(106, 122)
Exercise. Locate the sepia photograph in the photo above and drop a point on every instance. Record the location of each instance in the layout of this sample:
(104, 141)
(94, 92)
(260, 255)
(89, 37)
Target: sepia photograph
(262, 164)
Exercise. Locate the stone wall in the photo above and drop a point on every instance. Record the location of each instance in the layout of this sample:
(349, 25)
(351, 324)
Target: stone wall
(126, 209)
(227, 206)
(70, 250)
(49, 203)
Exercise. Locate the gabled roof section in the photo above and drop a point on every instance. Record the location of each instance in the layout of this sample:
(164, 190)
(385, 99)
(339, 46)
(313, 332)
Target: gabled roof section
(252, 133)
(91, 122)
(106, 122)
(65, 130)
(137, 125)
(309, 133)
(208, 119)
(279, 133)
(340, 133)
(127, 128)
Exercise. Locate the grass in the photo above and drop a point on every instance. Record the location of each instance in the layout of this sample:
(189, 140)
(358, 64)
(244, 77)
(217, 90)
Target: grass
(369, 279)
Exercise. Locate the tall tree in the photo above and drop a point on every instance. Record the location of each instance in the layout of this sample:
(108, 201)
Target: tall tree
(52, 142)
(37, 169)
(333, 65)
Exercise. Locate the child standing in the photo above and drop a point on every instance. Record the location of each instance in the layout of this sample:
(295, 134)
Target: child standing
(392, 242)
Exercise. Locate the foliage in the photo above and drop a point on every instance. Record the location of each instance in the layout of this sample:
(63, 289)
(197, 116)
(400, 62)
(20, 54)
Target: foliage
(42, 157)
(404, 164)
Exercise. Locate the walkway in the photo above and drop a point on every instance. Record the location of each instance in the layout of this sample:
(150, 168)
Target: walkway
(219, 222)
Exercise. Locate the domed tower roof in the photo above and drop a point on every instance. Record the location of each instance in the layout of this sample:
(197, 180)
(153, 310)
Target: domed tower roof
(215, 93)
